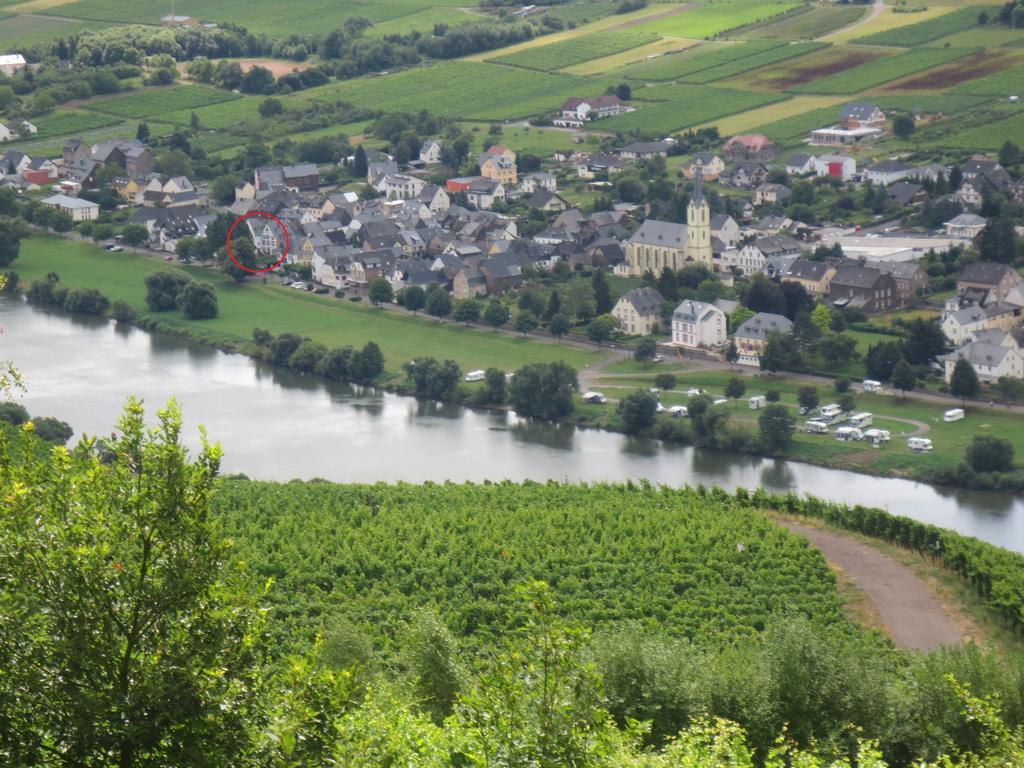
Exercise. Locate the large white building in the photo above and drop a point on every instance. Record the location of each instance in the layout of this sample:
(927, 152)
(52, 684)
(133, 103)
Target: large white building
(698, 324)
(77, 208)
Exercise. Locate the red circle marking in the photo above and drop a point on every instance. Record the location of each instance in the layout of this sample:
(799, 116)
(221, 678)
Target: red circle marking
(264, 215)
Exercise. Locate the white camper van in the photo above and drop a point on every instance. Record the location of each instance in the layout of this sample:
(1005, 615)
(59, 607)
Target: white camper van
(830, 413)
(953, 415)
(595, 397)
(846, 434)
(814, 427)
(870, 385)
(861, 420)
(760, 401)
(919, 444)
(877, 435)
(475, 376)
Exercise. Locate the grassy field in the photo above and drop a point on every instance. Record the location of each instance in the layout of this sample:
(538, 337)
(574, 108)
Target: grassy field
(747, 63)
(808, 24)
(930, 29)
(537, 141)
(26, 31)
(887, 20)
(1007, 83)
(218, 116)
(325, 319)
(885, 70)
(461, 89)
(715, 18)
(659, 48)
(696, 59)
(683, 106)
(990, 135)
(790, 117)
(894, 458)
(548, 58)
(62, 122)
(157, 101)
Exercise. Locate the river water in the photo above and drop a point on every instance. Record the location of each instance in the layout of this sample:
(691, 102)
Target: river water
(277, 425)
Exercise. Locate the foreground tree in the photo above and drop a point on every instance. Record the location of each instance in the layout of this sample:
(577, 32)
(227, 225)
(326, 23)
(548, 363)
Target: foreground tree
(495, 315)
(544, 390)
(807, 396)
(645, 349)
(414, 298)
(124, 637)
(735, 388)
(12, 232)
(777, 426)
(638, 410)
(199, 301)
(988, 453)
(903, 377)
(964, 381)
(381, 292)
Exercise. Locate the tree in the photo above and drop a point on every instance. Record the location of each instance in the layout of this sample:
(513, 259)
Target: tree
(531, 301)
(988, 453)
(821, 316)
(623, 91)
(925, 341)
(903, 377)
(367, 364)
(846, 402)
(199, 301)
(964, 381)
(559, 325)
(776, 426)
(335, 363)
(735, 388)
(638, 410)
(134, 235)
(881, 359)
(380, 292)
(645, 349)
(1009, 153)
(429, 652)
(245, 255)
(543, 390)
(439, 303)
(762, 295)
(780, 353)
(360, 163)
(732, 354)
(280, 350)
(665, 381)
(836, 347)
(13, 413)
(602, 293)
(601, 328)
(772, 395)
(903, 125)
(271, 107)
(554, 306)
(807, 396)
(466, 311)
(525, 321)
(307, 357)
(142, 132)
(433, 379)
(414, 298)
(495, 385)
(998, 241)
(12, 232)
(129, 546)
(495, 315)
(163, 289)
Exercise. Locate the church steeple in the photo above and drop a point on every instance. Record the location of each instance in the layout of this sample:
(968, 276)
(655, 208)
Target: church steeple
(698, 222)
(699, 177)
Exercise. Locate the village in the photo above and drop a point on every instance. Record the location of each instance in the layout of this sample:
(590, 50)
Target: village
(409, 227)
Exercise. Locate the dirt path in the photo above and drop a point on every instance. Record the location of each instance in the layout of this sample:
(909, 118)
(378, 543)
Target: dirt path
(907, 606)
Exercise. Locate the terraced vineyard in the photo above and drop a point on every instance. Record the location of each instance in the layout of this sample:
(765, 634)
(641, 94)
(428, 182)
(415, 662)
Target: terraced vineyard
(691, 564)
(64, 121)
(679, 66)
(577, 50)
(810, 23)
(157, 101)
(931, 29)
(682, 106)
(747, 63)
(1006, 83)
(883, 70)
(712, 19)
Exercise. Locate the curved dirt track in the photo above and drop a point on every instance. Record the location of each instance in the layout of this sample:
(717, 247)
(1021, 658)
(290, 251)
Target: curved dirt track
(906, 605)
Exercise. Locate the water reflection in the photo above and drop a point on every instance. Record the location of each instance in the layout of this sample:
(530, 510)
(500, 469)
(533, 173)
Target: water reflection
(559, 437)
(778, 474)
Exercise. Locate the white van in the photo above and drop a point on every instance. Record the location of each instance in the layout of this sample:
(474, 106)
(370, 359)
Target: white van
(475, 376)
(877, 435)
(861, 420)
(830, 413)
(870, 385)
(953, 415)
(814, 427)
(918, 444)
(679, 410)
(846, 434)
(595, 397)
(760, 401)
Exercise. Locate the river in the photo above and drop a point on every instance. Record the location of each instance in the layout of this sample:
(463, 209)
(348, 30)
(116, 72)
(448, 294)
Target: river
(277, 425)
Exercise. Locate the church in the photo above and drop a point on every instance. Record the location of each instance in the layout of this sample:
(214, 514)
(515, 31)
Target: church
(659, 244)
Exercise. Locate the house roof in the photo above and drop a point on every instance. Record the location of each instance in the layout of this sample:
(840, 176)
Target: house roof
(753, 141)
(805, 269)
(74, 203)
(854, 276)
(667, 234)
(763, 323)
(903, 192)
(646, 301)
(984, 272)
(858, 109)
(981, 353)
(890, 166)
(608, 100)
(904, 270)
(967, 220)
(690, 311)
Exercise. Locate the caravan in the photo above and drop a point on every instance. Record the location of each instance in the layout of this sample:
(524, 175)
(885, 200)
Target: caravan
(831, 413)
(814, 427)
(861, 420)
(760, 401)
(954, 415)
(846, 434)
(919, 444)
(476, 376)
(877, 435)
(870, 385)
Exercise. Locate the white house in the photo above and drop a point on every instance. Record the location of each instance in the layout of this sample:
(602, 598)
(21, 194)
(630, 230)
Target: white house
(11, 63)
(538, 180)
(638, 311)
(752, 336)
(76, 207)
(725, 228)
(989, 359)
(430, 152)
(800, 163)
(748, 260)
(889, 171)
(837, 166)
(697, 324)
(576, 112)
(6, 134)
(399, 186)
(484, 193)
(961, 325)
(968, 225)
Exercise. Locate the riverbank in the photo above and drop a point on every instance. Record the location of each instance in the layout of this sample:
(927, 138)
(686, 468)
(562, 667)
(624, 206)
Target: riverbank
(335, 322)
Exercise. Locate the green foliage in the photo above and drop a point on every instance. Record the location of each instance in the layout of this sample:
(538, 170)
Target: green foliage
(432, 378)
(156, 101)
(925, 31)
(638, 410)
(665, 381)
(12, 232)
(380, 292)
(735, 388)
(777, 425)
(645, 349)
(199, 301)
(903, 377)
(164, 288)
(988, 453)
(675, 107)
(884, 70)
(544, 390)
(964, 381)
(601, 328)
(576, 50)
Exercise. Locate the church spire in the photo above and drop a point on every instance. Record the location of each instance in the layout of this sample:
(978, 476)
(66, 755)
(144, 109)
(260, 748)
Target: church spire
(699, 177)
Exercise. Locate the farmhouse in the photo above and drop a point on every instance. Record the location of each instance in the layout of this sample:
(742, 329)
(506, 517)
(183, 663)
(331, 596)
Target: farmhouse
(800, 163)
(870, 289)
(499, 163)
(712, 166)
(814, 276)
(430, 152)
(995, 280)
(304, 177)
(889, 171)
(755, 146)
(577, 112)
(752, 336)
(643, 150)
(11, 63)
(639, 311)
(130, 154)
(77, 208)
(698, 324)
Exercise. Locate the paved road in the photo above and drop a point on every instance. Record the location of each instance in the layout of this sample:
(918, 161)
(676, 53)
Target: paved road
(909, 609)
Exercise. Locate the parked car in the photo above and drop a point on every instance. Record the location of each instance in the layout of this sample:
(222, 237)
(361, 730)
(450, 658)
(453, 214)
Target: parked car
(694, 391)
(658, 358)
(870, 385)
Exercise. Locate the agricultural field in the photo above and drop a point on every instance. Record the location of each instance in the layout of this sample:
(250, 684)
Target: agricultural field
(548, 58)
(472, 90)
(988, 135)
(747, 63)
(25, 31)
(930, 29)
(964, 70)
(1009, 82)
(755, 120)
(884, 70)
(888, 19)
(218, 116)
(681, 66)
(158, 101)
(660, 557)
(709, 20)
(808, 24)
(536, 141)
(300, 17)
(684, 106)
(819, 64)
(652, 51)
(61, 122)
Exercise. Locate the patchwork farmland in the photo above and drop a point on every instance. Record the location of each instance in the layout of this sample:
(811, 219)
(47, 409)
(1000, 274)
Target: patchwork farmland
(548, 58)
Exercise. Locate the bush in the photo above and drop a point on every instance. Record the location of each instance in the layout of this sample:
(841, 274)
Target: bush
(988, 453)
(307, 357)
(434, 379)
(638, 410)
(53, 430)
(13, 413)
(665, 381)
(199, 301)
(122, 313)
(86, 301)
(164, 288)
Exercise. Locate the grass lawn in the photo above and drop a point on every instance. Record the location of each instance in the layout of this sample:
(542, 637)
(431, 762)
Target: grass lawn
(325, 319)
(892, 459)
